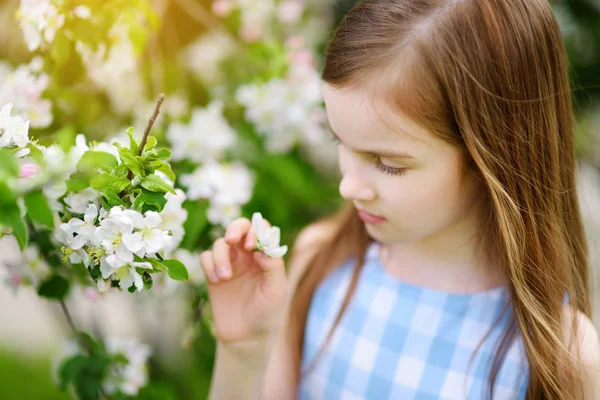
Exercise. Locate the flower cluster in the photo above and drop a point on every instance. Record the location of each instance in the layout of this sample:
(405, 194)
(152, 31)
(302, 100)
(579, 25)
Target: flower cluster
(287, 111)
(14, 131)
(24, 87)
(40, 20)
(114, 69)
(206, 137)
(111, 240)
(226, 186)
(130, 374)
(22, 268)
(127, 369)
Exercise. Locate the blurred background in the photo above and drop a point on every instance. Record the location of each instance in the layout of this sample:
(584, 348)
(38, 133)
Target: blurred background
(241, 79)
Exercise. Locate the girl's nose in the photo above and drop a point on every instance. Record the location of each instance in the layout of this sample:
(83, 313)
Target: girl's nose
(353, 188)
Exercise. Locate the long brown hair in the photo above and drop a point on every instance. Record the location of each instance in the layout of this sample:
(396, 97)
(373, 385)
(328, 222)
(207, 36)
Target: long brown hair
(489, 76)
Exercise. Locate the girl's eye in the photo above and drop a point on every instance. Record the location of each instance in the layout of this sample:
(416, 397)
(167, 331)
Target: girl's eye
(387, 169)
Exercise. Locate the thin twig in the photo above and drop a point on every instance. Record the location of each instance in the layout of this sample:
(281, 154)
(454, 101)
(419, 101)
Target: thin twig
(159, 102)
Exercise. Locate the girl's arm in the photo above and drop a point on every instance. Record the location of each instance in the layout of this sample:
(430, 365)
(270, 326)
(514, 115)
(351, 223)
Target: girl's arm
(261, 368)
(281, 382)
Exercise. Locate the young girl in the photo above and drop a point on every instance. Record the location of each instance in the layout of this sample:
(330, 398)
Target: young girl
(458, 269)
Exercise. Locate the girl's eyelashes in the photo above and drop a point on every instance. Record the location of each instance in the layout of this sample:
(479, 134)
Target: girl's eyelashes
(387, 169)
(378, 164)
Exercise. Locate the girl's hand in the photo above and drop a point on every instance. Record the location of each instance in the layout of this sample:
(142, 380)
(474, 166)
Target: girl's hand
(247, 289)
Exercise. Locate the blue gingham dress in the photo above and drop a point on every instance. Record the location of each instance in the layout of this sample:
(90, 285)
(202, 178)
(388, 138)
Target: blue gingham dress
(401, 341)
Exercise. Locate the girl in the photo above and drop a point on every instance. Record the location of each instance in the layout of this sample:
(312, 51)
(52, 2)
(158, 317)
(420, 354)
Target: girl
(458, 269)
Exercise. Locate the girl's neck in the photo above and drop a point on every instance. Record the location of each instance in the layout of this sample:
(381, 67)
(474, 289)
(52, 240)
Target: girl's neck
(450, 261)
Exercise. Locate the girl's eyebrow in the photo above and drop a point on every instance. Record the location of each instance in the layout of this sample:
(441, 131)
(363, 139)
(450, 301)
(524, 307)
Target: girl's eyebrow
(378, 153)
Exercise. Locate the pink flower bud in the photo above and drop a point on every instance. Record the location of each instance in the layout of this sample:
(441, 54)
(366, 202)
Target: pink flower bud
(29, 170)
(91, 294)
(250, 33)
(222, 8)
(295, 42)
(290, 11)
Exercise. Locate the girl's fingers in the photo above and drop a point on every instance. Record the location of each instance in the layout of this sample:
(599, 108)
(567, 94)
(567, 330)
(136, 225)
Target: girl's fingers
(208, 266)
(251, 239)
(236, 230)
(222, 263)
(250, 243)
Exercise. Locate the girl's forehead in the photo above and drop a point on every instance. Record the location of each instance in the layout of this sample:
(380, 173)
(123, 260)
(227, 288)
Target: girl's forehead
(356, 113)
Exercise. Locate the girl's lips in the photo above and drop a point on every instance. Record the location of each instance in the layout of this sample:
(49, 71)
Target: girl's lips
(370, 218)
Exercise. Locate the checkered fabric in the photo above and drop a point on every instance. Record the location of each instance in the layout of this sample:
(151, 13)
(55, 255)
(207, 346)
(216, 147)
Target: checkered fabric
(401, 341)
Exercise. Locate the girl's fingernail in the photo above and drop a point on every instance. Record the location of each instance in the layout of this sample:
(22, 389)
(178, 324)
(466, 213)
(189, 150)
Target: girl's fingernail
(224, 272)
(213, 277)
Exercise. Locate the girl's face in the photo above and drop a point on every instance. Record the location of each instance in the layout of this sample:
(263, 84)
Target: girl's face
(406, 176)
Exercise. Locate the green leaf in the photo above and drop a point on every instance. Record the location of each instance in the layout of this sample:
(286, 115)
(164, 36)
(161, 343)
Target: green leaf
(155, 184)
(157, 265)
(38, 209)
(147, 279)
(88, 381)
(10, 216)
(133, 146)
(166, 169)
(132, 163)
(164, 154)
(55, 287)
(92, 161)
(112, 198)
(65, 137)
(154, 198)
(69, 369)
(9, 168)
(7, 197)
(36, 154)
(156, 391)
(194, 224)
(78, 181)
(150, 143)
(176, 270)
(113, 183)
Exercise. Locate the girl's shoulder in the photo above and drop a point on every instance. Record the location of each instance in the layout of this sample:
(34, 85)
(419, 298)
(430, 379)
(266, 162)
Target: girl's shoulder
(307, 244)
(584, 344)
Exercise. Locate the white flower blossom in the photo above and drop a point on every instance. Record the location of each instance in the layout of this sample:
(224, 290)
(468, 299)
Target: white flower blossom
(115, 69)
(39, 20)
(126, 376)
(204, 56)
(128, 275)
(148, 237)
(286, 111)
(223, 214)
(220, 183)
(24, 88)
(133, 375)
(267, 237)
(13, 130)
(173, 216)
(227, 187)
(78, 202)
(25, 268)
(207, 136)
